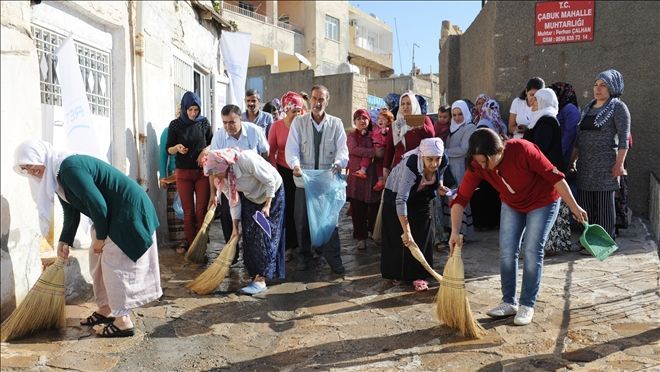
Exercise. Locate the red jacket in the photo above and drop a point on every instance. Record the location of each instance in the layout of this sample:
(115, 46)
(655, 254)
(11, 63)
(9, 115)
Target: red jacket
(525, 178)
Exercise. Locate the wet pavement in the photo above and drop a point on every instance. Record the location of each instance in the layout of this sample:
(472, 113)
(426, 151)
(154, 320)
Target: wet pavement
(590, 315)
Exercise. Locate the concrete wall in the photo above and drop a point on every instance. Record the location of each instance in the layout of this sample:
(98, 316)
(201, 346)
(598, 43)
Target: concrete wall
(20, 265)
(327, 54)
(400, 84)
(631, 48)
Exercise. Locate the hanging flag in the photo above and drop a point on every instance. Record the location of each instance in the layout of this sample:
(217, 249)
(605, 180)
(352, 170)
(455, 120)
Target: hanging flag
(80, 131)
(235, 51)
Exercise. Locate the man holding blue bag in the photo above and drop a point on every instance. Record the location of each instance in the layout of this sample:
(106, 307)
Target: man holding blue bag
(317, 141)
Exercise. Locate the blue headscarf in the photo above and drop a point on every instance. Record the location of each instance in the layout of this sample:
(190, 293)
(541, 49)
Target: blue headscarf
(392, 101)
(614, 81)
(422, 103)
(190, 99)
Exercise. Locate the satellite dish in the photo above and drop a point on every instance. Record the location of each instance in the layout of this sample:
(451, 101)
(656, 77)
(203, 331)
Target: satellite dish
(303, 60)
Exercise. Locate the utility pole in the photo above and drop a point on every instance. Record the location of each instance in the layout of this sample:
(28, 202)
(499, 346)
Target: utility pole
(414, 70)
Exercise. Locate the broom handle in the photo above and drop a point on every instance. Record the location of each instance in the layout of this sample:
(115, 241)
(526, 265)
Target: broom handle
(419, 256)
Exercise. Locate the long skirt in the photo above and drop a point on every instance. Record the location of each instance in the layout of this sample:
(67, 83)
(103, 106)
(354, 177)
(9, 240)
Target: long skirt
(290, 202)
(174, 225)
(467, 226)
(559, 239)
(396, 261)
(263, 255)
(600, 208)
(121, 283)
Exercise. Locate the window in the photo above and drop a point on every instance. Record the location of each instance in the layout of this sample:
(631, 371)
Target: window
(331, 28)
(94, 67)
(186, 78)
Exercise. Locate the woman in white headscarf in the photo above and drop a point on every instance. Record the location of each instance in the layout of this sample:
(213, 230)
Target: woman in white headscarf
(123, 258)
(544, 132)
(460, 130)
(403, 137)
(406, 214)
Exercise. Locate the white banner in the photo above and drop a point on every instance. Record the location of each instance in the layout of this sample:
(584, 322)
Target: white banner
(81, 134)
(235, 50)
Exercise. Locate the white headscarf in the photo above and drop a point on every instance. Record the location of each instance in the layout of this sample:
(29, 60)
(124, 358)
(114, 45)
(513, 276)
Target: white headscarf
(467, 116)
(427, 147)
(38, 152)
(399, 127)
(548, 105)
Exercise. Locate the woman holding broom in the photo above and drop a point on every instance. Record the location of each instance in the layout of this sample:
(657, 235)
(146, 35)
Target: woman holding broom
(405, 211)
(123, 258)
(530, 187)
(252, 185)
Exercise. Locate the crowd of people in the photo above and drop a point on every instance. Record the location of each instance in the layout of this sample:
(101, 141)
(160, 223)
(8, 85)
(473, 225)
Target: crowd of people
(428, 181)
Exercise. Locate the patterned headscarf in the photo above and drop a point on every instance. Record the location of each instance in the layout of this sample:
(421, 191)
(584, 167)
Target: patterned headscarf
(291, 100)
(38, 152)
(490, 111)
(614, 81)
(217, 162)
(476, 115)
(565, 94)
(422, 103)
(392, 101)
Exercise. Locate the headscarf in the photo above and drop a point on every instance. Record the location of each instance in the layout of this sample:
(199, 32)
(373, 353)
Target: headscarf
(547, 105)
(392, 101)
(467, 117)
(292, 100)
(38, 152)
(476, 115)
(400, 127)
(362, 113)
(490, 111)
(190, 99)
(427, 147)
(217, 162)
(614, 81)
(565, 94)
(422, 103)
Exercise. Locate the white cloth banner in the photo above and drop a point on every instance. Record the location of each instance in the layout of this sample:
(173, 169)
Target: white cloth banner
(235, 50)
(80, 131)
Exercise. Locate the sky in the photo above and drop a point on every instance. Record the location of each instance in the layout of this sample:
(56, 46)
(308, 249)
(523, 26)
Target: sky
(419, 22)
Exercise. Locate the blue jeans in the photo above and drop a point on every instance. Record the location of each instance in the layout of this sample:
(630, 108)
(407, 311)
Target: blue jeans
(535, 225)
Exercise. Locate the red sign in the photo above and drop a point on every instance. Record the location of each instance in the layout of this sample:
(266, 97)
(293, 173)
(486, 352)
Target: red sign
(564, 22)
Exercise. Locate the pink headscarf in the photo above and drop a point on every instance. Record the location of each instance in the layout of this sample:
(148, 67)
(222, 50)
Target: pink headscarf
(217, 162)
(292, 100)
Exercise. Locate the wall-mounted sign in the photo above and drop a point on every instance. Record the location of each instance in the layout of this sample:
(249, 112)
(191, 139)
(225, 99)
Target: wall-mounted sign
(564, 22)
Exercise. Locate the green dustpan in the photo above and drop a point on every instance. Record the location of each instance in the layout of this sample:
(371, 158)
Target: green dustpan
(597, 241)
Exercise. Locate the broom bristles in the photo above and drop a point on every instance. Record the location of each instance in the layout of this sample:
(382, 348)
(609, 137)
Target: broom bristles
(197, 251)
(211, 278)
(452, 305)
(42, 308)
(377, 234)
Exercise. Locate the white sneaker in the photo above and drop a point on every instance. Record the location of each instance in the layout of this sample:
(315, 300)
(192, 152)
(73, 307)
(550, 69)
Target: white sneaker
(524, 315)
(503, 309)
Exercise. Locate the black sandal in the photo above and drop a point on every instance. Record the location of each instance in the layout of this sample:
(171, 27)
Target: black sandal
(111, 330)
(97, 318)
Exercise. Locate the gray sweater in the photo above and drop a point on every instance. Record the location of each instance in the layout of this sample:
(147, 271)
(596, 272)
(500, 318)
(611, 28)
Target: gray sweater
(598, 149)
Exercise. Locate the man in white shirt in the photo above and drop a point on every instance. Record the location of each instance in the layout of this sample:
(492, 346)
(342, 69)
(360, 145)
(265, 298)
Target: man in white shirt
(316, 140)
(243, 135)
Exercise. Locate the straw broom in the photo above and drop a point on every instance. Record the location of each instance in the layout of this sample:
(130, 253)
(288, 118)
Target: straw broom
(42, 308)
(197, 250)
(452, 305)
(211, 278)
(377, 234)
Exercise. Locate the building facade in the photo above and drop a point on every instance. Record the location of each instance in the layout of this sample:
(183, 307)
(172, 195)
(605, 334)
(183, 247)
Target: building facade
(136, 58)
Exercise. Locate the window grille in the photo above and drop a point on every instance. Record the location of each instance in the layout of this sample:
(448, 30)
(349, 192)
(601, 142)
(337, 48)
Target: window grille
(94, 67)
(182, 76)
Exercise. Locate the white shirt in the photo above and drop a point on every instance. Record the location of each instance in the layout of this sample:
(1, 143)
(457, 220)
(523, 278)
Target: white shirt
(523, 114)
(292, 150)
(251, 138)
(256, 178)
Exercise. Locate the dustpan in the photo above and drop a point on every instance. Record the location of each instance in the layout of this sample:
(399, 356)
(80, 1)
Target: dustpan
(597, 241)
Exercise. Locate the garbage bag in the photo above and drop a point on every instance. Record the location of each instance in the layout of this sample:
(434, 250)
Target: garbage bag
(178, 208)
(325, 194)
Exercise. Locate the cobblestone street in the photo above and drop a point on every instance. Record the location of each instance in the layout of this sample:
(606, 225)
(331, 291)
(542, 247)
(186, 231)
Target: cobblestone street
(590, 316)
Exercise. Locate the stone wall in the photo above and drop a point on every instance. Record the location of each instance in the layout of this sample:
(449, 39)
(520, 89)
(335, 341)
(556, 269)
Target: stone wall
(471, 64)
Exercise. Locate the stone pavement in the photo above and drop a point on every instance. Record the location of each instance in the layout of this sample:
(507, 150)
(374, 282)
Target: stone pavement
(590, 315)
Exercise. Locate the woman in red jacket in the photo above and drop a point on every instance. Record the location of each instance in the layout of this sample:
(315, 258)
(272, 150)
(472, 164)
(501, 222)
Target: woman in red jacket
(530, 187)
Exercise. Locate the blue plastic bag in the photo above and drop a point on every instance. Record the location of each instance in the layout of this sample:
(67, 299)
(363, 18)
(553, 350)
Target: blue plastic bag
(178, 208)
(325, 194)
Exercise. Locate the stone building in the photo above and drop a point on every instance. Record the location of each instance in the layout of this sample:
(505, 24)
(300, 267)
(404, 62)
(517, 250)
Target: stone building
(137, 58)
(497, 54)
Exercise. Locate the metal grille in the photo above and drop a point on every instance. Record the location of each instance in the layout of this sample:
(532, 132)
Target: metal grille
(94, 67)
(182, 75)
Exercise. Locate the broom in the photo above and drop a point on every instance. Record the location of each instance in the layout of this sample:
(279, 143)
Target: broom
(42, 308)
(452, 305)
(211, 278)
(377, 234)
(197, 250)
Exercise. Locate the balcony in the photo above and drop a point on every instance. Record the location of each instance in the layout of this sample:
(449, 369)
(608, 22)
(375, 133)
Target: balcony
(369, 55)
